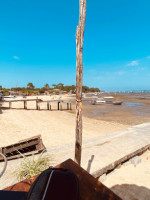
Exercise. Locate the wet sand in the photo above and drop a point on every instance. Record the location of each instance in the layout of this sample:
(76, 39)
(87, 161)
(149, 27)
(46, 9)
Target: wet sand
(134, 110)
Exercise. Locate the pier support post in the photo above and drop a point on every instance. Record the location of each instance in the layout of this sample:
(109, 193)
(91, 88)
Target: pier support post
(47, 105)
(10, 105)
(58, 105)
(67, 106)
(36, 105)
(70, 107)
(25, 104)
(61, 106)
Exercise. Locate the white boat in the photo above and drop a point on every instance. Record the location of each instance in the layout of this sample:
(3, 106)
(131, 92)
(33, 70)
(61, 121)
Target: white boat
(10, 96)
(99, 101)
(106, 100)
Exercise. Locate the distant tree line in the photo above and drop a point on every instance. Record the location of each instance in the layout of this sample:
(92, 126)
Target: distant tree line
(56, 88)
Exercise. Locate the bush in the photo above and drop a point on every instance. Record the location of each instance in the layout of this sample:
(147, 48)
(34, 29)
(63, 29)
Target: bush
(32, 166)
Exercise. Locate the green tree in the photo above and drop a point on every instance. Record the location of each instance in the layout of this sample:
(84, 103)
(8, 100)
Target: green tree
(30, 86)
(60, 86)
(0, 87)
(54, 85)
(46, 86)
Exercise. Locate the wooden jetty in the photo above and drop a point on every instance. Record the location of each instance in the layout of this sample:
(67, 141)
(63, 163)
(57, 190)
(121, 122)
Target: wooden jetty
(26, 147)
(89, 187)
(38, 102)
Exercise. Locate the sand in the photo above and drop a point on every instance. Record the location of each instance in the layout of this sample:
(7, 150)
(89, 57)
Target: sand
(57, 128)
(131, 182)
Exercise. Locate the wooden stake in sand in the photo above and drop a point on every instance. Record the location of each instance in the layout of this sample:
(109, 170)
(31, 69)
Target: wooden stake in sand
(79, 74)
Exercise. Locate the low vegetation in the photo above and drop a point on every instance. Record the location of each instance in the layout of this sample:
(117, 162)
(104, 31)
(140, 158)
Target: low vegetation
(54, 89)
(31, 166)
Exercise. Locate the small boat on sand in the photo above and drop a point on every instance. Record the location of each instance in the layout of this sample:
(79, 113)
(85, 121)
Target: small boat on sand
(106, 100)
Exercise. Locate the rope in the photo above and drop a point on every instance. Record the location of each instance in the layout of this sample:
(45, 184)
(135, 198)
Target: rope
(5, 164)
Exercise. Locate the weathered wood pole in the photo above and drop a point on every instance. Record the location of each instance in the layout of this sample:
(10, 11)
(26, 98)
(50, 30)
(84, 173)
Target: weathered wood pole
(9, 105)
(79, 74)
(70, 107)
(25, 104)
(58, 105)
(61, 106)
(47, 105)
(67, 106)
(37, 105)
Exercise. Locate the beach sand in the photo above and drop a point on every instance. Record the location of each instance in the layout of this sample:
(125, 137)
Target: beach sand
(58, 128)
(131, 182)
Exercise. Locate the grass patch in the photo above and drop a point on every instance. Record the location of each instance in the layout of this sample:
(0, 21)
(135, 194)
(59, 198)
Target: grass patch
(31, 166)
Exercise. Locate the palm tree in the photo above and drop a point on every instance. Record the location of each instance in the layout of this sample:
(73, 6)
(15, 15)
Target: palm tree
(79, 74)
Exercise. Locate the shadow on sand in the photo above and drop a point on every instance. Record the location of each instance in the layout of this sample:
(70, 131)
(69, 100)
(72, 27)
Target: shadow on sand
(90, 163)
(131, 192)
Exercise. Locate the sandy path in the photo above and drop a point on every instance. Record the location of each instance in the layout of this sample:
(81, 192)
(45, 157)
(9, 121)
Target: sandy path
(56, 127)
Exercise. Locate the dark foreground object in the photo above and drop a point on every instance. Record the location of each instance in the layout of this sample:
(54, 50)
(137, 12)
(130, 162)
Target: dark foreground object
(55, 184)
(89, 187)
(12, 195)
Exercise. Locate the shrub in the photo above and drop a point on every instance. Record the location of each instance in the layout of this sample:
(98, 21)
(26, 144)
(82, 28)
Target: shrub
(31, 166)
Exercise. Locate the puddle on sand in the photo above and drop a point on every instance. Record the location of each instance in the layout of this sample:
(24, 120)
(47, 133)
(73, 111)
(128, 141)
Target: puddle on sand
(132, 104)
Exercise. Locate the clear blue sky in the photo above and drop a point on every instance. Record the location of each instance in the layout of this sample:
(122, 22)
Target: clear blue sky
(37, 43)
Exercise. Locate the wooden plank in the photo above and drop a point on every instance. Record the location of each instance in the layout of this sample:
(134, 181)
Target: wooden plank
(27, 143)
(89, 187)
(113, 165)
(22, 155)
(22, 100)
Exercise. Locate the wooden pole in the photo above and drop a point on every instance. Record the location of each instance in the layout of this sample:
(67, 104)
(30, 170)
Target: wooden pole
(9, 105)
(47, 105)
(37, 105)
(79, 75)
(25, 104)
(61, 106)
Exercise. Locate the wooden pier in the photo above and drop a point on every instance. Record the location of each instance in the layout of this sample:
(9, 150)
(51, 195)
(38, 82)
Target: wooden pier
(38, 103)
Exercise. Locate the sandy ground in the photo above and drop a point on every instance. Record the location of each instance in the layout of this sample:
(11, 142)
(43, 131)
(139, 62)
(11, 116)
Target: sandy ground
(131, 182)
(58, 127)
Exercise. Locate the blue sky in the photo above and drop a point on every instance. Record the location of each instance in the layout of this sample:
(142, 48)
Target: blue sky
(37, 43)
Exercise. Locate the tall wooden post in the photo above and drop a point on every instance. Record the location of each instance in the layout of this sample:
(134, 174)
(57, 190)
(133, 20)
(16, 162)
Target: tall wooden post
(79, 74)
